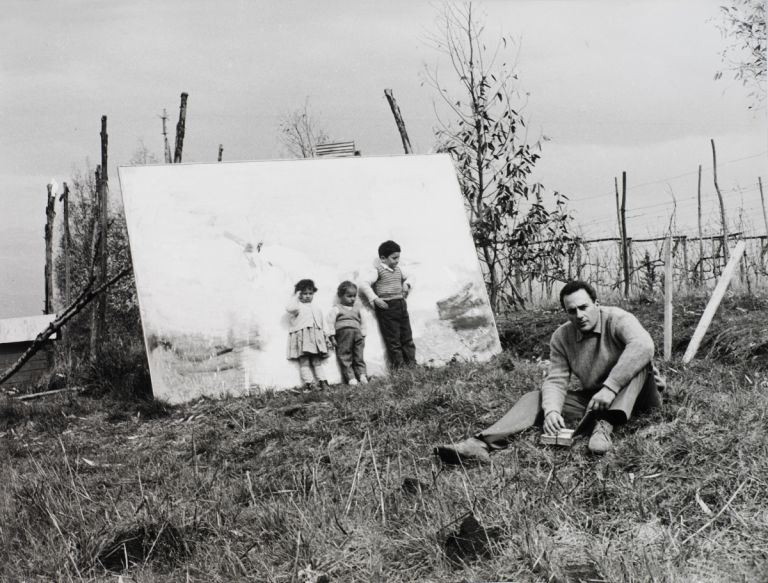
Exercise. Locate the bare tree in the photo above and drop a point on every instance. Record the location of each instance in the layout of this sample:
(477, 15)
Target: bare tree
(300, 132)
(143, 156)
(517, 237)
(121, 301)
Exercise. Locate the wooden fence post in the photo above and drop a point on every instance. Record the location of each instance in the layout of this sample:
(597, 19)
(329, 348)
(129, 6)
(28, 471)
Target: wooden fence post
(579, 264)
(684, 243)
(668, 291)
(221, 152)
(167, 148)
(620, 263)
(67, 244)
(399, 121)
(50, 215)
(624, 232)
(701, 241)
(100, 210)
(723, 218)
(762, 202)
(597, 270)
(103, 219)
(180, 129)
(94, 262)
(742, 274)
(618, 206)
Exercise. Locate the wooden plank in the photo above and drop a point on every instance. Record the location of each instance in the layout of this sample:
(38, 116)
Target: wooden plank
(335, 150)
(46, 393)
(335, 145)
(23, 329)
(714, 302)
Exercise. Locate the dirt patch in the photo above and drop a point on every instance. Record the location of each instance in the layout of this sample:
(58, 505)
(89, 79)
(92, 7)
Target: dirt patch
(160, 544)
(470, 543)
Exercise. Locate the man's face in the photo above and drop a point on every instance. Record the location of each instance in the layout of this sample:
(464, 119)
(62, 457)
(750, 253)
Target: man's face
(392, 260)
(581, 310)
(349, 296)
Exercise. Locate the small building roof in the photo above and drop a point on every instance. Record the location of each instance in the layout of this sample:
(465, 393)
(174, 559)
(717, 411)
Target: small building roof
(24, 329)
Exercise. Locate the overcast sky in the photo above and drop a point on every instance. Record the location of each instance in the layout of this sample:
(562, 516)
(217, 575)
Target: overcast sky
(614, 85)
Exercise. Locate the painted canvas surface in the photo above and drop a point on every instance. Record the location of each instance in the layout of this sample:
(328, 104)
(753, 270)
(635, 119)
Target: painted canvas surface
(217, 249)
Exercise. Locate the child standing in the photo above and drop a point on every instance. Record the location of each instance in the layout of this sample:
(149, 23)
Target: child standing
(307, 341)
(346, 321)
(387, 287)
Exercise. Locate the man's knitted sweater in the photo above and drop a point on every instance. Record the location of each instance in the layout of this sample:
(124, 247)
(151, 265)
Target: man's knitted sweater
(610, 355)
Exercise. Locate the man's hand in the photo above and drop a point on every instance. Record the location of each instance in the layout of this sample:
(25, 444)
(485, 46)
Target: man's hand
(601, 400)
(406, 290)
(381, 304)
(332, 341)
(553, 423)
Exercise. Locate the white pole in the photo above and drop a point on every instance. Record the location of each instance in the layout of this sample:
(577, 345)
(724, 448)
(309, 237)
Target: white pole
(668, 286)
(714, 302)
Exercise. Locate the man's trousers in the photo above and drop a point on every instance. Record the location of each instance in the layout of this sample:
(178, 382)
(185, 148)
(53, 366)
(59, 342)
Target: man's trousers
(640, 394)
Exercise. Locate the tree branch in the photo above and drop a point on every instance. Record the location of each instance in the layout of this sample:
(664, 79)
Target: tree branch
(74, 308)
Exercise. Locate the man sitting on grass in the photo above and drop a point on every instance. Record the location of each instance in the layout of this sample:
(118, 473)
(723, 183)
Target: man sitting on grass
(610, 353)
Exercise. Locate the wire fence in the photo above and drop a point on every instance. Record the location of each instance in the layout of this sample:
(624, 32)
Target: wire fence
(697, 264)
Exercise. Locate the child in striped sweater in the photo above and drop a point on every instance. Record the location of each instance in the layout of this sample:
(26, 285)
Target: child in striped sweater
(348, 334)
(386, 288)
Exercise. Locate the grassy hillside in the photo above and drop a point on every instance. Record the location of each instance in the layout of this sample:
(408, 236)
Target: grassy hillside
(343, 484)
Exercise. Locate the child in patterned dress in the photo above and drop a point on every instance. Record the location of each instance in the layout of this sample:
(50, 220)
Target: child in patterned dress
(307, 338)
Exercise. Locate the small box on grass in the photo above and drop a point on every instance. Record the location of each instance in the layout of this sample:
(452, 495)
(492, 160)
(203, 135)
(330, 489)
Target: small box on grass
(564, 437)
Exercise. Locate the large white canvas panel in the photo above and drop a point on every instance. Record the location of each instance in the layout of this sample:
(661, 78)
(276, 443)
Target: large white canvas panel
(217, 249)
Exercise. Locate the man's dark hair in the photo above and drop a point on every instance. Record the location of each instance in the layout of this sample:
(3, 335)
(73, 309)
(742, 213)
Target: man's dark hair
(387, 248)
(574, 286)
(305, 285)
